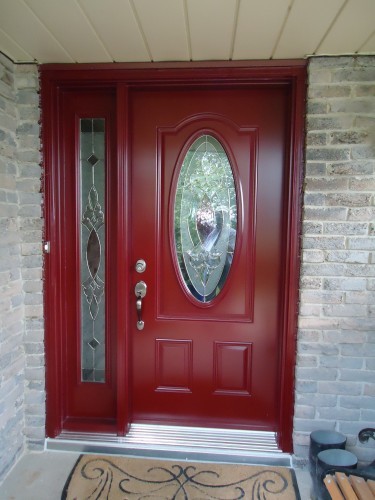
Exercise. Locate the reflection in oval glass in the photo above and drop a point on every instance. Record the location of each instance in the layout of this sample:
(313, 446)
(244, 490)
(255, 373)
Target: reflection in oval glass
(205, 218)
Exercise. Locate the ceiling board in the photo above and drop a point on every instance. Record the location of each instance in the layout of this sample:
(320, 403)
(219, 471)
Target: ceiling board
(258, 28)
(369, 45)
(71, 28)
(351, 29)
(313, 19)
(212, 27)
(12, 49)
(120, 33)
(62, 31)
(22, 26)
(164, 26)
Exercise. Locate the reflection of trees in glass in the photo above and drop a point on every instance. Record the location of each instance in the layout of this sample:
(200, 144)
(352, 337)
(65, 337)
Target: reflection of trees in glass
(205, 218)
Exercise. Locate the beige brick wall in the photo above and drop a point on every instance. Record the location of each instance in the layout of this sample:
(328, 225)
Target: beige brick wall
(335, 374)
(21, 310)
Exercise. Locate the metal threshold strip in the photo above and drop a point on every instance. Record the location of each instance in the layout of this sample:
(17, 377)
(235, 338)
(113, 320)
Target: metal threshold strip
(179, 443)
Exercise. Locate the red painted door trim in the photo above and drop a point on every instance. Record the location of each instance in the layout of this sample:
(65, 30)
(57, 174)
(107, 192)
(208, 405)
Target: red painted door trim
(123, 271)
(57, 78)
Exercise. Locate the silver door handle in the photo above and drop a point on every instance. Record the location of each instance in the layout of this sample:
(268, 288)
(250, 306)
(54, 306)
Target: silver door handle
(140, 291)
(140, 322)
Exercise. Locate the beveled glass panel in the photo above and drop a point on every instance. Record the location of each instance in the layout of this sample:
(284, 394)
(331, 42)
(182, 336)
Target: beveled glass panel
(92, 199)
(205, 218)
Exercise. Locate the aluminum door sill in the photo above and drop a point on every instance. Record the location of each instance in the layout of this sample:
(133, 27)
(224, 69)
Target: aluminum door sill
(179, 443)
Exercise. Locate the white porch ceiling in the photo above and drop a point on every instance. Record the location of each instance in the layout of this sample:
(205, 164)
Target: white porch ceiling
(89, 31)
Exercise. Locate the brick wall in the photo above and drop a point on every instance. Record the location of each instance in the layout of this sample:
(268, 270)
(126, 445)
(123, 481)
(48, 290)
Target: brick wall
(12, 358)
(20, 263)
(31, 226)
(335, 374)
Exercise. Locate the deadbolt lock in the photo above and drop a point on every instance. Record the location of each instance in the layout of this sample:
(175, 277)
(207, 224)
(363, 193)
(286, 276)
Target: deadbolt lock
(140, 266)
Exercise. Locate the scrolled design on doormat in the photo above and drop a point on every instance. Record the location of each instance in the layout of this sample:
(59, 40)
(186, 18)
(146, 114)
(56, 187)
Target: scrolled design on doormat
(177, 482)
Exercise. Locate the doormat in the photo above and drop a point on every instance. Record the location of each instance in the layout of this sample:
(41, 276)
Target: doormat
(114, 478)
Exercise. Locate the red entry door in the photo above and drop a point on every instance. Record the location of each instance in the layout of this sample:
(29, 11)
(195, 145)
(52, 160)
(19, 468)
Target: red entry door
(214, 362)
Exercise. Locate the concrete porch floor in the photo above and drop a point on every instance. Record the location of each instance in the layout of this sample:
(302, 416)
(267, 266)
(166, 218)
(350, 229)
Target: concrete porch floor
(42, 476)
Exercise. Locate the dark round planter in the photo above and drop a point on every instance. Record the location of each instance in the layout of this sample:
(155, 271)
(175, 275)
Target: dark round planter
(330, 459)
(324, 440)
(321, 440)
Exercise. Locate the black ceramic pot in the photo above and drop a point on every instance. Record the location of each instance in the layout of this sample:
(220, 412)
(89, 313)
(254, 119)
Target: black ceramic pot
(330, 459)
(319, 441)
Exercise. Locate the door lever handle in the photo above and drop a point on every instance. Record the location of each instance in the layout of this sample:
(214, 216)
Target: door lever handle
(140, 291)
(140, 322)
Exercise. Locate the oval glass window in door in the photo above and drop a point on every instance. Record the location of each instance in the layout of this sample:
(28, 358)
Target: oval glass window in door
(205, 218)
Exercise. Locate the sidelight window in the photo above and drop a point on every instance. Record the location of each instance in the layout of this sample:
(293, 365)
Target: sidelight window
(92, 196)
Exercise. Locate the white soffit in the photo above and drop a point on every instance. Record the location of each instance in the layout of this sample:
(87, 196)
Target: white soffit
(369, 45)
(251, 35)
(212, 28)
(9, 46)
(310, 18)
(70, 26)
(163, 24)
(180, 30)
(26, 30)
(120, 32)
(354, 26)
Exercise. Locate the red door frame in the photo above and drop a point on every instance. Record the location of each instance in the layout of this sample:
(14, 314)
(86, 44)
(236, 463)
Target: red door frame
(57, 78)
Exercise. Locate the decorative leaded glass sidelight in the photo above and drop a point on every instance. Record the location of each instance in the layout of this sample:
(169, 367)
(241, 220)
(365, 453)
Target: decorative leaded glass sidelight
(92, 198)
(205, 218)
